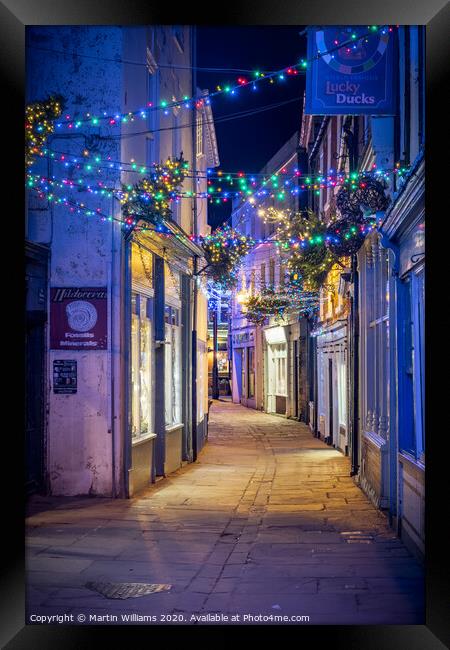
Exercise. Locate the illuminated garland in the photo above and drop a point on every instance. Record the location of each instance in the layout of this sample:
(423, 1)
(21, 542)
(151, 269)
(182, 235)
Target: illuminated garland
(150, 199)
(315, 246)
(230, 89)
(97, 163)
(39, 124)
(264, 304)
(279, 303)
(224, 250)
(99, 187)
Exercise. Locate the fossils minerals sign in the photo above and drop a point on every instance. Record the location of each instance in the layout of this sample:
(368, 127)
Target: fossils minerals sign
(350, 71)
(78, 318)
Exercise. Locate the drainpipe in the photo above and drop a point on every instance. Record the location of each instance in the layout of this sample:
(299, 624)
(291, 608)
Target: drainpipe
(194, 230)
(112, 362)
(125, 345)
(355, 366)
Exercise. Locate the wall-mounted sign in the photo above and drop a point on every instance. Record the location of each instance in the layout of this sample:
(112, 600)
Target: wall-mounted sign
(351, 71)
(78, 318)
(64, 376)
(243, 337)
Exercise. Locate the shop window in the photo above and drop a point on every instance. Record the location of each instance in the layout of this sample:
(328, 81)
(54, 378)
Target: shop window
(342, 388)
(141, 266)
(279, 354)
(375, 305)
(406, 370)
(418, 288)
(172, 366)
(251, 372)
(141, 368)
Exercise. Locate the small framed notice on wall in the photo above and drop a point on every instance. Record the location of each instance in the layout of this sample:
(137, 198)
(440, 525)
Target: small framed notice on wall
(64, 377)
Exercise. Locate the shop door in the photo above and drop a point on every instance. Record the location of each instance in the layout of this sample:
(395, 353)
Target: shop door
(330, 401)
(296, 373)
(238, 370)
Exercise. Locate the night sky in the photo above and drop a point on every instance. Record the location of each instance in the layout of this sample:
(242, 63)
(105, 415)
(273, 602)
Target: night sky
(247, 143)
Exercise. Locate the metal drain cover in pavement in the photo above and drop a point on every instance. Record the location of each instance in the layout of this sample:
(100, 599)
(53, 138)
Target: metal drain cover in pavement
(125, 590)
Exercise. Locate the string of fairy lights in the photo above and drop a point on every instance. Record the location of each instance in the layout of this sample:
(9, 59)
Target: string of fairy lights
(289, 186)
(232, 88)
(145, 204)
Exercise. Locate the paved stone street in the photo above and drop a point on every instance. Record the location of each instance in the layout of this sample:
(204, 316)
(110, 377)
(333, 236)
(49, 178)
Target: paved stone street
(268, 521)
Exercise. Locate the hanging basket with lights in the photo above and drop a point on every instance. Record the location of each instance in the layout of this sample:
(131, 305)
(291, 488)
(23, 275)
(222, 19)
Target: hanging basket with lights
(224, 250)
(265, 304)
(346, 236)
(39, 125)
(366, 195)
(277, 304)
(304, 235)
(151, 198)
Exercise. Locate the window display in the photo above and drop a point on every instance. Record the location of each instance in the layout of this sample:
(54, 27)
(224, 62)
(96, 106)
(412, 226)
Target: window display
(172, 366)
(278, 375)
(141, 369)
(251, 371)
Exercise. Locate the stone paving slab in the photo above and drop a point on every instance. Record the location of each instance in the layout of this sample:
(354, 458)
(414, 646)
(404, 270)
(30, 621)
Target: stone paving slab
(267, 521)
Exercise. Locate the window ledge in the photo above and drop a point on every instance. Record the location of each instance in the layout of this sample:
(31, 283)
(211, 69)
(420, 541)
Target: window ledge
(375, 439)
(409, 458)
(140, 441)
(174, 427)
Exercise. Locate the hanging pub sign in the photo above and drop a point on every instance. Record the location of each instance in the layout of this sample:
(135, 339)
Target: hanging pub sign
(350, 71)
(78, 318)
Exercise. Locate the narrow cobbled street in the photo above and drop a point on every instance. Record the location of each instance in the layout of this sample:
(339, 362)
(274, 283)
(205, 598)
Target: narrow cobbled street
(268, 521)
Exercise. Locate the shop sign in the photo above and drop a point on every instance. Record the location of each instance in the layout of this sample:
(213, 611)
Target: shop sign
(355, 79)
(78, 318)
(275, 335)
(243, 337)
(64, 377)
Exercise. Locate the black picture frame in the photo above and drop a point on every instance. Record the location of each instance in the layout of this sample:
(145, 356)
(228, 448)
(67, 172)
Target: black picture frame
(435, 14)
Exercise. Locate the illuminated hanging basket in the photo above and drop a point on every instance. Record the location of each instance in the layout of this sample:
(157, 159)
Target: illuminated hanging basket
(224, 250)
(39, 125)
(268, 303)
(345, 237)
(365, 196)
(151, 198)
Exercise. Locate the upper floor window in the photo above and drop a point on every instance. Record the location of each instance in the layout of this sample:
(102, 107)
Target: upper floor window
(263, 276)
(282, 272)
(178, 35)
(199, 147)
(272, 273)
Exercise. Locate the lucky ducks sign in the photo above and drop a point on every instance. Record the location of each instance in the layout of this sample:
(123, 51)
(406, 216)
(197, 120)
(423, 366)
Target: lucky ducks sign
(350, 71)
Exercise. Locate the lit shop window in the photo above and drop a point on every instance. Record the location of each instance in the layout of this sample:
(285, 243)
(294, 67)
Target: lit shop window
(172, 366)
(141, 407)
(279, 353)
(251, 371)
